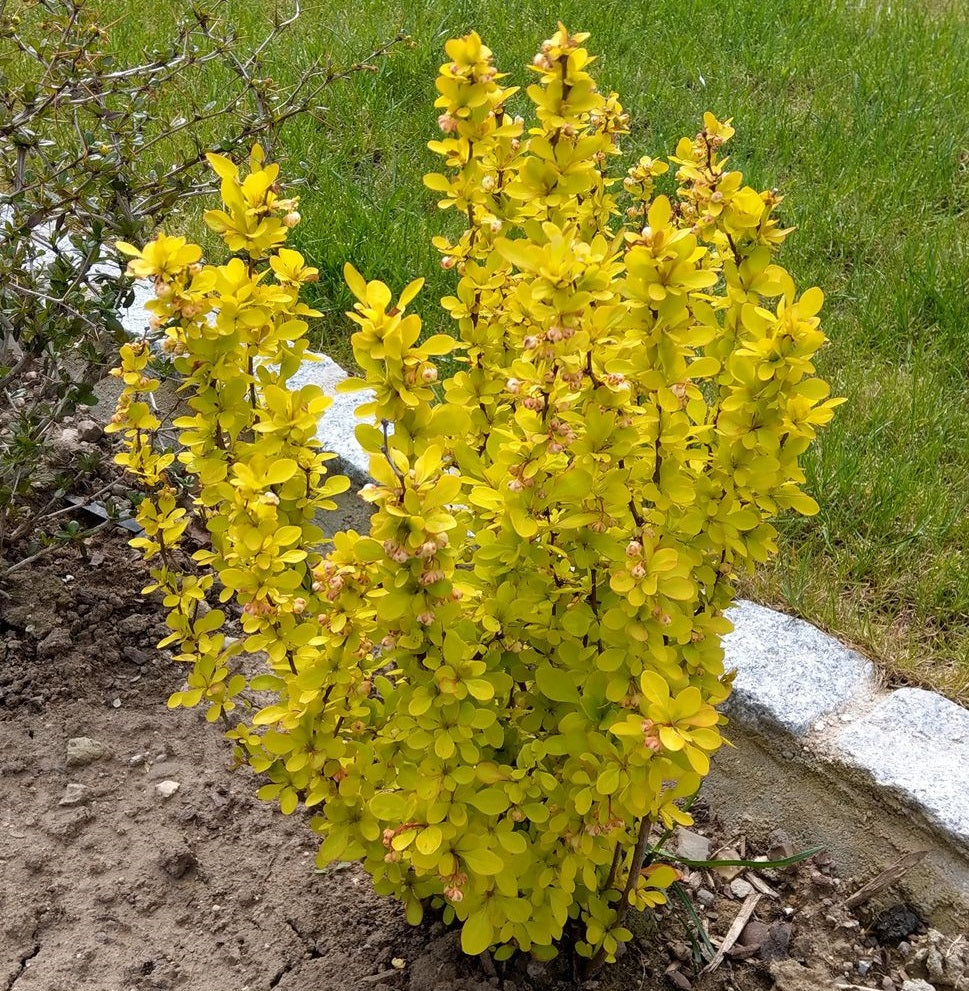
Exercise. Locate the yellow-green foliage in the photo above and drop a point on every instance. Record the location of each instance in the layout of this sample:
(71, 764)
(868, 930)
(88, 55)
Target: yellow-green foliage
(494, 697)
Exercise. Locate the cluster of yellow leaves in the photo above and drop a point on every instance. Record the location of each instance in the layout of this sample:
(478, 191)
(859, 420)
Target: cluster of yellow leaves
(496, 694)
(235, 333)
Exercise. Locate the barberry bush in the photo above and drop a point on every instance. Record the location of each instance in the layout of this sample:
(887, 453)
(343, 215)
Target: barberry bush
(499, 697)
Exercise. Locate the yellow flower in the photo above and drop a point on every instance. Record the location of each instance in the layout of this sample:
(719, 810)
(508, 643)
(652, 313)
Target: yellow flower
(164, 258)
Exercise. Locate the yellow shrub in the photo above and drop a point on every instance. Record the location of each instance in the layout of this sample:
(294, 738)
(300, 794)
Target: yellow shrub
(498, 697)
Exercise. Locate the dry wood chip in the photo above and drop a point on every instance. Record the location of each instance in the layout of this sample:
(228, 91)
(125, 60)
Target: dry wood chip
(733, 933)
(762, 886)
(888, 876)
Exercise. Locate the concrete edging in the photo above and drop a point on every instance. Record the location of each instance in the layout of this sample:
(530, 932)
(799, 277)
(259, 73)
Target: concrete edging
(872, 773)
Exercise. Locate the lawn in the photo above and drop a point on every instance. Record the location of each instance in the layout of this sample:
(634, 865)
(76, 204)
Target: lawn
(858, 112)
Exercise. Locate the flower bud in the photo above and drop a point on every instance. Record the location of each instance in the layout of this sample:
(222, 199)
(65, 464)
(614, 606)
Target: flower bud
(291, 219)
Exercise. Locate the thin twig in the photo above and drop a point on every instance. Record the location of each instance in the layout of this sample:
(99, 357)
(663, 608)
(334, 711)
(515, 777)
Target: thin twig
(385, 448)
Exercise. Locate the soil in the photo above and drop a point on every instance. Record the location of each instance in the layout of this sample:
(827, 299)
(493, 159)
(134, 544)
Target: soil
(140, 860)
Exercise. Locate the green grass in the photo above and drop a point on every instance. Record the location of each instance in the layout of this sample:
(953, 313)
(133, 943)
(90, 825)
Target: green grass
(856, 110)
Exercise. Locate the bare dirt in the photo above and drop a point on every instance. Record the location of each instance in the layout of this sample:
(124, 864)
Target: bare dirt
(140, 860)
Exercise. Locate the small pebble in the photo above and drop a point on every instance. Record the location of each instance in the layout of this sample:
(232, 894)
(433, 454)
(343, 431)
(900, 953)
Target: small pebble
(678, 980)
(89, 431)
(82, 750)
(741, 888)
(75, 794)
(705, 898)
(167, 788)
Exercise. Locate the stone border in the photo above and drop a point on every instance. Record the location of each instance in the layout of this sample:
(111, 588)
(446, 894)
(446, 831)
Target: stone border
(876, 771)
(801, 688)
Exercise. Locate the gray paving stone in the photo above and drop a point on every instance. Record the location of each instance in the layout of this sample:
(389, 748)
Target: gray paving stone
(789, 673)
(917, 744)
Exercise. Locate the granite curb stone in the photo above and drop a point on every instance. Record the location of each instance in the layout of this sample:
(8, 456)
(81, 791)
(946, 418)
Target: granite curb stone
(916, 743)
(790, 675)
